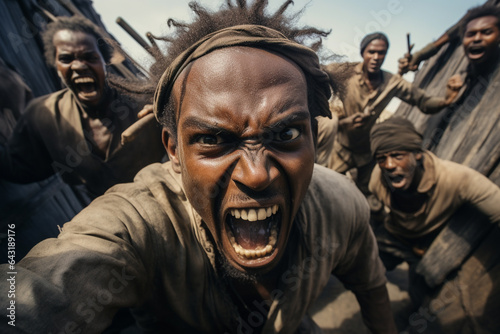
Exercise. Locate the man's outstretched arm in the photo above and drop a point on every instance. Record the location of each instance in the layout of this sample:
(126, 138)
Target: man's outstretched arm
(376, 310)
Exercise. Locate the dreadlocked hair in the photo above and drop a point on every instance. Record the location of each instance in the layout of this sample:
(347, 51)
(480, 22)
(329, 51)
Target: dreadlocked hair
(231, 13)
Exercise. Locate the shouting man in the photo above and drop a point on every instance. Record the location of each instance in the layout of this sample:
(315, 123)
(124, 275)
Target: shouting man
(421, 193)
(232, 234)
(76, 132)
(368, 91)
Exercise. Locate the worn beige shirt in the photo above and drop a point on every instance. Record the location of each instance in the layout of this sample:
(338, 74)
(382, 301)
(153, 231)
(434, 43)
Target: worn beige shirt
(50, 138)
(449, 186)
(359, 98)
(143, 244)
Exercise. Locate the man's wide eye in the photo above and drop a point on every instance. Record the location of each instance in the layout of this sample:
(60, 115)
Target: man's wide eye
(209, 140)
(65, 59)
(287, 134)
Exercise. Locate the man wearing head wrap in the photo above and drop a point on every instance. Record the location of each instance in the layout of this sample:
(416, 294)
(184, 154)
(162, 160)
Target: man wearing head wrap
(368, 91)
(231, 235)
(421, 193)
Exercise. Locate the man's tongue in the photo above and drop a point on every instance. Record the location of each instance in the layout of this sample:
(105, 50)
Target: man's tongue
(251, 235)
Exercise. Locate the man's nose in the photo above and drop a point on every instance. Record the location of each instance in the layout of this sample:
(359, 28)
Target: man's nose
(389, 163)
(78, 64)
(255, 170)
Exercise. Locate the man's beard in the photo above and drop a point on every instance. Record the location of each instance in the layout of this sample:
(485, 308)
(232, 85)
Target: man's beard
(230, 273)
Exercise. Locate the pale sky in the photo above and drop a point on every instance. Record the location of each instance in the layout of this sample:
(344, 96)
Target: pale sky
(349, 21)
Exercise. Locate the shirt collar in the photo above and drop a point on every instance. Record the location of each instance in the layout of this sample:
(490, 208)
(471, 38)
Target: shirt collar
(429, 177)
(358, 70)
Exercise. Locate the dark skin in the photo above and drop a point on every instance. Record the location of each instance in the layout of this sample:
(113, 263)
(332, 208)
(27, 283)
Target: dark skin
(82, 68)
(480, 42)
(402, 172)
(373, 58)
(481, 46)
(245, 151)
(250, 153)
(404, 63)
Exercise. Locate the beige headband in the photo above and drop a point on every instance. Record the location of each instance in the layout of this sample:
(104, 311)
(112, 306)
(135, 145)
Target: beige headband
(252, 36)
(394, 134)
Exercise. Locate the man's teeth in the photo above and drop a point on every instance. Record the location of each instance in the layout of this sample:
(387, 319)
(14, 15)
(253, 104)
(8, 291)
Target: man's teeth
(84, 80)
(253, 254)
(254, 214)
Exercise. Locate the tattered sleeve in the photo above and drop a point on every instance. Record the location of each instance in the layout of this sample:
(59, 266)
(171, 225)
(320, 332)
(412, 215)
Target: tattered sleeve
(76, 283)
(25, 158)
(478, 191)
(415, 96)
(360, 268)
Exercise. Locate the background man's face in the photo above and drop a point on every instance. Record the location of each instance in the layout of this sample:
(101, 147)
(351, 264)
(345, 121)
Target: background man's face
(481, 39)
(245, 150)
(80, 65)
(374, 56)
(398, 168)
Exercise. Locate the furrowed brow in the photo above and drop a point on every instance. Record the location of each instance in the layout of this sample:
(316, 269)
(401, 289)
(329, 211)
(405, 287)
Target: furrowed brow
(295, 117)
(193, 122)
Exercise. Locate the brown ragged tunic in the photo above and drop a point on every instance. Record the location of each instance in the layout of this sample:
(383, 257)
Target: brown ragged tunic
(449, 185)
(359, 99)
(50, 138)
(142, 242)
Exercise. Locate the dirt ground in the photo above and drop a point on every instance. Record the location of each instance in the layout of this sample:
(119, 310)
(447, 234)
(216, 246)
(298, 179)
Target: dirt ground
(342, 315)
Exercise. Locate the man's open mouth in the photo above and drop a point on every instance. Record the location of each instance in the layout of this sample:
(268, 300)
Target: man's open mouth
(396, 178)
(476, 51)
(253, 233)
(396, 181)
(85, 86)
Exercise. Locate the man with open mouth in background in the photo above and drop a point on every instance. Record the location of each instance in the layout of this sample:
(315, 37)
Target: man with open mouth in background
(421, 194)
(76, 131)
(479, 33)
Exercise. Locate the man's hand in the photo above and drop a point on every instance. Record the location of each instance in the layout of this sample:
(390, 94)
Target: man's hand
(452, 88)
(354, 121)
(406, 64)
(411, 62)
(147, 109)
